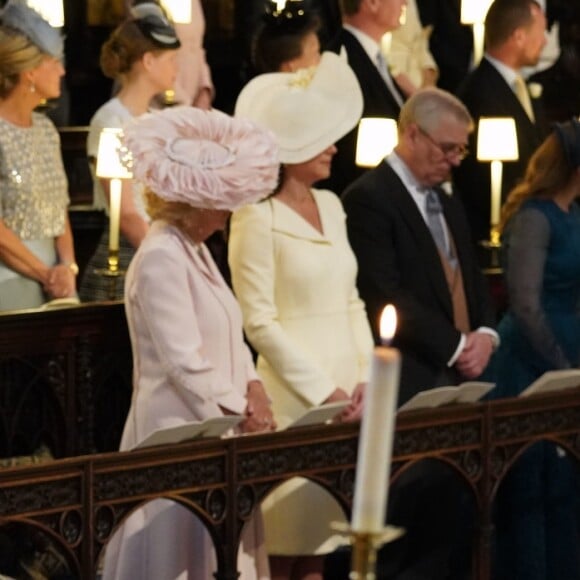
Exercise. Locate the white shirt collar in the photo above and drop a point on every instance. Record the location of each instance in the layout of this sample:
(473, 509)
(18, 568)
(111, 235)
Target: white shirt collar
(370, 46)
(415, 189)
(508, 74)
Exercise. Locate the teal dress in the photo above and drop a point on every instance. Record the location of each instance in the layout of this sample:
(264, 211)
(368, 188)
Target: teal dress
(536, 525)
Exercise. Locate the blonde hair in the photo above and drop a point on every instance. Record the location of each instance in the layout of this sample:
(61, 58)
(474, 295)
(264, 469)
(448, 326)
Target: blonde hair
(175, 213)
(547, 173)
(17, 54)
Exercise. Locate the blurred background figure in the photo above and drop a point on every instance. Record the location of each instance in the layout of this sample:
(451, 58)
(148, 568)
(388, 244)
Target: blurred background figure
(286, 40)
(191, 362)
(364, 24)
(193, 84)
(254, 17)
(294, 274)
(412, 64)
(536, 525)
(561, 81)
(450, 42)
(515, 34)
(141, 54)
(37, 259)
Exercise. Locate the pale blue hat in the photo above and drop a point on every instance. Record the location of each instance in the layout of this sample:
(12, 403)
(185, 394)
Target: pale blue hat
(20, 17)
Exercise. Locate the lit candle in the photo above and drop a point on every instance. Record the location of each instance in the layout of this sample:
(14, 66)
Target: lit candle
(376, 434)
(114, 214)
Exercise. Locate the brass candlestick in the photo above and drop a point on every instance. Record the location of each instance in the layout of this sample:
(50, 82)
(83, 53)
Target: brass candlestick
(364, 548)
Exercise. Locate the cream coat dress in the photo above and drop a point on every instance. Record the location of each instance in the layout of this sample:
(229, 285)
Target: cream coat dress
(303, 315)
(189, 358)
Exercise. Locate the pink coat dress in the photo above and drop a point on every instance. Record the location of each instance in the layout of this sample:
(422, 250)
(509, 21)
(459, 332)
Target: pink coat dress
(189, 360)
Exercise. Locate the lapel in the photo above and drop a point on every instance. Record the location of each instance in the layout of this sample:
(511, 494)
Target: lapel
(410, 214)
(378, 98)
(287, 221)
(506, 100)
(201, 257)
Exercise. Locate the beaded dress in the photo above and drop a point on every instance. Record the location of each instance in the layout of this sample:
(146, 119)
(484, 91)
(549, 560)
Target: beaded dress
(33, 202)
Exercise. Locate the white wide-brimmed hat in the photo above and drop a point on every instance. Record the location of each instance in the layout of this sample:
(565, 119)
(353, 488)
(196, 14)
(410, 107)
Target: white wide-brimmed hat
(308, 110)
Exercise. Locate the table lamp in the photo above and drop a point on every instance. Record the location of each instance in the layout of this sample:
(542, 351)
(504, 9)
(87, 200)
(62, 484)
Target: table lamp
(113, 163)
(51, 10)
(178, 10)
(473, 12)
(497, 141)
(376, 138)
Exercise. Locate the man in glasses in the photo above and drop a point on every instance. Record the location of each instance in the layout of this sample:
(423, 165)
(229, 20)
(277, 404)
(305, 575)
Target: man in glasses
(414, 250)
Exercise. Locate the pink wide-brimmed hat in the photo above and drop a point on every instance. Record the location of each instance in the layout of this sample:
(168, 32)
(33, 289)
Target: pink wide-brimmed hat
(206, 159)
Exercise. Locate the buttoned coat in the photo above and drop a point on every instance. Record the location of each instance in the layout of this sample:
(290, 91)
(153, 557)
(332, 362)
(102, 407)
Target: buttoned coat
(302, 313)
(189, 360)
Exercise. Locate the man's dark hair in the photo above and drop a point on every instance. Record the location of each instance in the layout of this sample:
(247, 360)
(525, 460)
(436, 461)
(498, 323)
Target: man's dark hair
(504, 17)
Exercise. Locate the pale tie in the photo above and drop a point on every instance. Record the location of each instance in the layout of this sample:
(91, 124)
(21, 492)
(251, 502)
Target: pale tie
(434, 220)
(523, 96)
(384, 70)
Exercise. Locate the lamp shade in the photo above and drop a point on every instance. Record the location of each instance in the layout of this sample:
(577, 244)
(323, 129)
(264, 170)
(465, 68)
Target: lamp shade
(474, 11)
(376, 138)
(497, 139)
(179, 10)
(51, 10)
(113, 158)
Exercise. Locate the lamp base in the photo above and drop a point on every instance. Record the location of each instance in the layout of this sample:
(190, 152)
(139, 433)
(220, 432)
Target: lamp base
(113, 276)
(491, 255)
(364, 548)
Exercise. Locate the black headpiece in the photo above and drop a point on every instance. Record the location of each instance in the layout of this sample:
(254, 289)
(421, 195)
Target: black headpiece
(293, 15)
(152, 22)
(568, 134)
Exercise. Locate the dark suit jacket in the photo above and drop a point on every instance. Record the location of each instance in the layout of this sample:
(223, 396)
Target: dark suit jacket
(378, 102)
(450, 42)
(486, 94)
(399, 264)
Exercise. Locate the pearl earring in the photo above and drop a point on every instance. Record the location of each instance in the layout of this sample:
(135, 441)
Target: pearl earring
(32, 88)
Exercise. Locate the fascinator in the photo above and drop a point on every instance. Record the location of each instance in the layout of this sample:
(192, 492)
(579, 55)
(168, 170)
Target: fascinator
(292, 15)
(154, 25)
(20, 17)
(308, 110)
(206, 159)
(568, 134)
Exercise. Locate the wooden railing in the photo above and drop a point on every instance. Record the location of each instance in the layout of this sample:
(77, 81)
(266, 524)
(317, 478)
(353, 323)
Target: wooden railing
(80, 501)
(65, 380)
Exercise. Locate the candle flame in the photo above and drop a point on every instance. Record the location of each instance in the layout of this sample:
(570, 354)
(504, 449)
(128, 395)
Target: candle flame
(388, 323)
